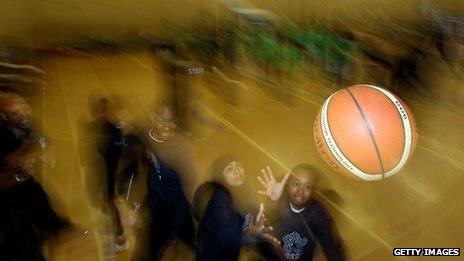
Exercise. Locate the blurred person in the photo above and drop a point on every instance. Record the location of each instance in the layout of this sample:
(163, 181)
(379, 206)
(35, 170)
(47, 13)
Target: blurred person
(186, 76)
(172, 172)
(274, 62)
(114, 166)
(337, 53)
(303, 221)
(15, 116)
(447, 34)
(230, 44)
(16, 126)
(203, 45)
(178, 90)
(189, 61)
(26, 216)
(223, 230)
(398, 65)
(120, 156)
(211, 53)
(445, 28)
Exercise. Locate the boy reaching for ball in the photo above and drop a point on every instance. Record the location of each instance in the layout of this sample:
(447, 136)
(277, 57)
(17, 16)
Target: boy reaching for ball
(302, 221)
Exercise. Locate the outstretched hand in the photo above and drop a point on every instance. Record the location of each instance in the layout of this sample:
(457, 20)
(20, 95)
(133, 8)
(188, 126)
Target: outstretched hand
(261, 229)
(273, 188)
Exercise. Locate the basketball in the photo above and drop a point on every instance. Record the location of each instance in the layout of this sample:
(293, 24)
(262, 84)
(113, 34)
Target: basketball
(365, 132)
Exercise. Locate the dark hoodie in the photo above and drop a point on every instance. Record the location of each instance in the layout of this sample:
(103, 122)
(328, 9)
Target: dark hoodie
(299, 233)
(220, 231)
(25, 211)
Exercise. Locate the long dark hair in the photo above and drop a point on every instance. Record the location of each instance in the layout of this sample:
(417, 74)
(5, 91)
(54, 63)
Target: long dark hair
(205, 191)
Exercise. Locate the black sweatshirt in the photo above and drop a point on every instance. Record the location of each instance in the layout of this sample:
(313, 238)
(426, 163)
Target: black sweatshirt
(299, 232)
(220, 232)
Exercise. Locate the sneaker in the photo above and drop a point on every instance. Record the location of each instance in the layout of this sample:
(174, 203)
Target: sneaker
(121, 243)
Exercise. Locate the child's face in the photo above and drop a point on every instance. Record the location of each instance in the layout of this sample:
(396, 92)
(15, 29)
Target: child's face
(300, 188)
(165, 124)
(234, 173)
(17, 113)
(124, 119)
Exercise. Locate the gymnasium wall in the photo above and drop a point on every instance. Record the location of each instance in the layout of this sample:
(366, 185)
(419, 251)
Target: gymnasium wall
(29, 21)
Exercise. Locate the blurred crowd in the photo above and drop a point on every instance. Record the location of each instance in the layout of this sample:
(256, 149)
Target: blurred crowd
(144, 175)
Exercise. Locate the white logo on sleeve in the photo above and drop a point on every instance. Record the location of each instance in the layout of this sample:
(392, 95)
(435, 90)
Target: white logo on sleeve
(293, 245)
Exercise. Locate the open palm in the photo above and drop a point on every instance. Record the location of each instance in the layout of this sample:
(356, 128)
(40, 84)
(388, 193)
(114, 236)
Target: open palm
(273, 188)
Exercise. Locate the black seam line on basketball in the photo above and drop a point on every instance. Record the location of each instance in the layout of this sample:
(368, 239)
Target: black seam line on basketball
(333, 138)
(402, 124)
(369, 129)
(339, 147)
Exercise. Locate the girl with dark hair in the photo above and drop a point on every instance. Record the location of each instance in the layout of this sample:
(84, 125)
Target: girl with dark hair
(222, 229)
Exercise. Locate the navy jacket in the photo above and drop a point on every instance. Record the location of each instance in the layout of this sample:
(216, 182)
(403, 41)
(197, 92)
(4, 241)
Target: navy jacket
(165, 193)
(299, 233)
(220, 231)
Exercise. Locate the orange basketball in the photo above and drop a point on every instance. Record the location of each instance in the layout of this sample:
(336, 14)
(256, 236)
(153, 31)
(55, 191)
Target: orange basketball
(365, 132)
